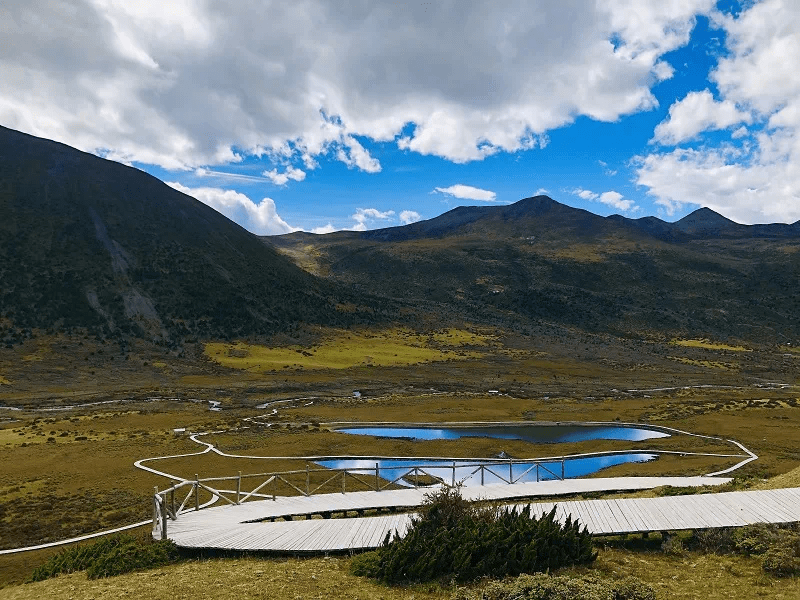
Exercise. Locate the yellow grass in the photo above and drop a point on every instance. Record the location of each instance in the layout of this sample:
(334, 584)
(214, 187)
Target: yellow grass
(710, 364)
(4, 381)
(709, 345)
(344, 349)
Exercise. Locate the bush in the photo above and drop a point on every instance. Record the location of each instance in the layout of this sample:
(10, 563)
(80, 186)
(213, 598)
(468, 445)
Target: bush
(107, 557)
(782, 559)
(453, 539)
(547, 587)
(778, 546)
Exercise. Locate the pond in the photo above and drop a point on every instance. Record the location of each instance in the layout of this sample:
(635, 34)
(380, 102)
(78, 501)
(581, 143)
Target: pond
(469, 470)
(537, 434)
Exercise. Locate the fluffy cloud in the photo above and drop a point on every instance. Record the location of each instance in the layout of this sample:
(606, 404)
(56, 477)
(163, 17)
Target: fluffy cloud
(409, 216)
(696, 113)
(261, 218)
(753, 178)
(610, 198)
(467, 192)
(365, 216)
(281, 178)
(191, 83)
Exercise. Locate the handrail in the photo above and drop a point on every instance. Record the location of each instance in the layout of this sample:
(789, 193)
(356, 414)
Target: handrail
(164, 507)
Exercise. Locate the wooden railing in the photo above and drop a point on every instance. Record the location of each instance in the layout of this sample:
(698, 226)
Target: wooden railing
(195, 494)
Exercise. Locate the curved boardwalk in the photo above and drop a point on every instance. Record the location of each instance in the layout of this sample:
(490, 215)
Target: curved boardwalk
(248, 526)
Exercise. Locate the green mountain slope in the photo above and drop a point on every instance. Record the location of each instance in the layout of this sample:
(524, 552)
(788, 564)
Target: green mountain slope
(86, 243)
(538, 260)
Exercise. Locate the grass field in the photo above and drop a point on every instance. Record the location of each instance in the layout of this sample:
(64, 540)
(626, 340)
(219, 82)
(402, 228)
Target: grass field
(70, 470)
(709, 345)
(343, 350)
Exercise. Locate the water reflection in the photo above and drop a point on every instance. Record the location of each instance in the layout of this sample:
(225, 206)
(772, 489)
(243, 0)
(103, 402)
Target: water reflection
(537, 434)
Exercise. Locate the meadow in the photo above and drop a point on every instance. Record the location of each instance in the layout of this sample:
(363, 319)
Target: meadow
(69, 471)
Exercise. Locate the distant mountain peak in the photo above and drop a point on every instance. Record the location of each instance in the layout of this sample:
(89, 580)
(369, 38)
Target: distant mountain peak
(704, 219)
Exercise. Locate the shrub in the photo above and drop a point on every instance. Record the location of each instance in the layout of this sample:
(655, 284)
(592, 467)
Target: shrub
(778, 546)
(109, 556)
(547, 587)
(453, 539)
(132, 556)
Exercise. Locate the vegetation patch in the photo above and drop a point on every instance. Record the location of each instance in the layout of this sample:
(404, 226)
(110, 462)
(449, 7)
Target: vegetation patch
(710, 364)
(344, 349)
(548, 587)
(108, 557)
(4, 381)
(709, 345)
(452, 539)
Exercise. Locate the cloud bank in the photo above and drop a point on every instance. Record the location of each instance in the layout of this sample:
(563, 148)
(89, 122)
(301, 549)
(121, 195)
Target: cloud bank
(190, 83)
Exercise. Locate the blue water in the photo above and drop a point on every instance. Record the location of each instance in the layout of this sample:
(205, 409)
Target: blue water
(392, 468)
(537, 434)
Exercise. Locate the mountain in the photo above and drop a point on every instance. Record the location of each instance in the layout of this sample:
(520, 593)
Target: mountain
(538, 260)
(90, 244)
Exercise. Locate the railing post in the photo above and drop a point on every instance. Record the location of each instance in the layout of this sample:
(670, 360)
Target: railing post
(344, 478)
(453, 480)
(537, 472)
(562, 469)
(483, 472)
(155, 507)
(510, 470)
(164, 519)
(377, 479)
(172, 499)
(308, 480)
(416, 477)
(239, 487)
(196, 491)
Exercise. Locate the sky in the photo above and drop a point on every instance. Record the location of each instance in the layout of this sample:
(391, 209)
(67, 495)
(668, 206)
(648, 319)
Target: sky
(319, 116)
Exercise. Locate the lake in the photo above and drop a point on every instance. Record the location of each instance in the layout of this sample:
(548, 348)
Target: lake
(537, 434)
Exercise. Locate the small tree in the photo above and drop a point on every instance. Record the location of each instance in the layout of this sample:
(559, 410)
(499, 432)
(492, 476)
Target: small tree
(454, 539)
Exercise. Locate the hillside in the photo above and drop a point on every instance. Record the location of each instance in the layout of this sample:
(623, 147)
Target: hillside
(539, 260)
(87, 244)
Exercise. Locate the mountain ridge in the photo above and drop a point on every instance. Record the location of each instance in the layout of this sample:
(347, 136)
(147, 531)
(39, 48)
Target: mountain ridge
(93, 244)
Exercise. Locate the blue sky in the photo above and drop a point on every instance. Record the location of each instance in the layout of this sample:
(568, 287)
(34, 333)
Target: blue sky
(320, 117)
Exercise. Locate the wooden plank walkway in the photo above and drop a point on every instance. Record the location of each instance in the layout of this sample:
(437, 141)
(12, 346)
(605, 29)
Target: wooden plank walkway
(245, 527)
(217, 528)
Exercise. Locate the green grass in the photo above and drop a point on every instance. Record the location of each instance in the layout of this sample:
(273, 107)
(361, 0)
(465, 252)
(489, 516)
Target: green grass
(346, 349)
(709, 345)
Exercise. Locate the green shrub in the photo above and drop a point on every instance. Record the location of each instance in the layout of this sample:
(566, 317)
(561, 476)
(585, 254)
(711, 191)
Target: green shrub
(782, 559)
(717, 541)
(778, 546)
(453, 539)
(132, 557)
(107, 557)
(547, 587)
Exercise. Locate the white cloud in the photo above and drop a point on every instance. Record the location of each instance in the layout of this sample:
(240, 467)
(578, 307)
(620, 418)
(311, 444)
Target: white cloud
(329, 228)
(281, 178)
(695, 113)
(616, 200)
(606, 169)
(261, 218)
(467, 192)
(585, 194)
(189, 83)
(365, 216)
(611, 198)
(756, 179)
(409, 216)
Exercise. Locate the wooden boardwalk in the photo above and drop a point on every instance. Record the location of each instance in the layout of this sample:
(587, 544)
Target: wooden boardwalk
(247, 526)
